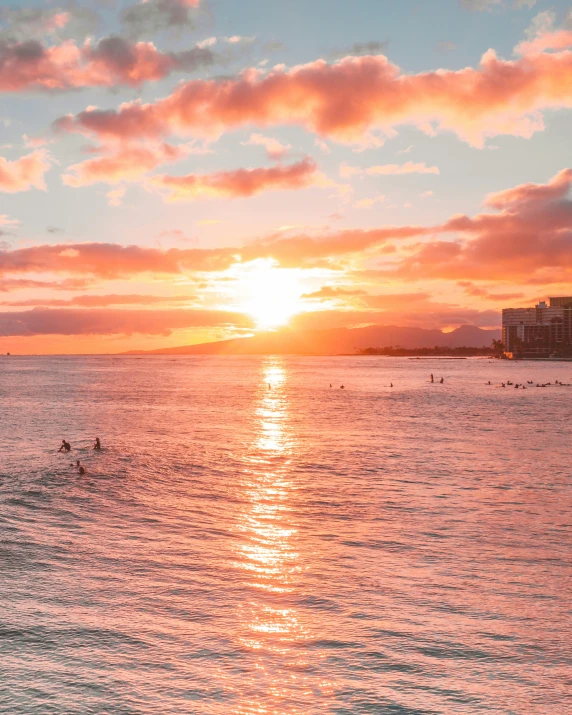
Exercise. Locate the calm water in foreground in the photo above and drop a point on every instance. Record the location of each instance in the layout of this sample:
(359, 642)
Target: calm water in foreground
(300, 549)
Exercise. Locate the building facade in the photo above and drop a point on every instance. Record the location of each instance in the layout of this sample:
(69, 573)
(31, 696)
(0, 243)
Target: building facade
(542, 331)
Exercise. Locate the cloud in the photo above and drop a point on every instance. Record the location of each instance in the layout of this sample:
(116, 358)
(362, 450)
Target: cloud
(275, 150)
(150, 16)
(8, 285)
(110, 260)
(482, 5)
(348, 100)
(475, 291)
(479, 5)
(525, 235)
(5, 220)
(529, 239)
(358, 49)
(126, 163)
(446, 46)
(113, 61)
(25, 23)
(388, 169)
(115, 196)
(24, 173)
(542, 35)
(239, 183)
(367, 203)
(99, 301)
(70, 321)
(433, 316)
(329, 293)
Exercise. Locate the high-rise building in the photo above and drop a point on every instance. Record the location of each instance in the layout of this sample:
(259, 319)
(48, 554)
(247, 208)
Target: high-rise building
(541, 331)
(565, 302)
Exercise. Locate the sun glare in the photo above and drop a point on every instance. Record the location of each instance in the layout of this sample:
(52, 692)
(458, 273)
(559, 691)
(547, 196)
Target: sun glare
(272, 295)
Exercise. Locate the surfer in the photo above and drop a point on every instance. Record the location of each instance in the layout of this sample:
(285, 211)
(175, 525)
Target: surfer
(97, 443)
(432, 380)
(65, 446)
(442, 380)
(342, 387)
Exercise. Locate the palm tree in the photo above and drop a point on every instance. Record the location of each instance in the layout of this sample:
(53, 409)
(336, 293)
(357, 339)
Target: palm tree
(498, 348)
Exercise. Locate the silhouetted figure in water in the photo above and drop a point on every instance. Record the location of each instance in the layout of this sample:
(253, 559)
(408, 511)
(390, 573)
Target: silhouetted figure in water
(432, 380)
(65, 446)
(80, 468)
(330, 384)
(391, 384)
(489, 382)
(442, 380)
(97, 443)
(342, 387)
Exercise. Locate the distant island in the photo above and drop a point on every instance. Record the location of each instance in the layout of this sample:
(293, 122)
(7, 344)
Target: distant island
(345, 341)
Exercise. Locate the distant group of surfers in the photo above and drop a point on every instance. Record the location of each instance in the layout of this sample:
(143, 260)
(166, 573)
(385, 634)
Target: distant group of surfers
(531, 382)
(66, 447)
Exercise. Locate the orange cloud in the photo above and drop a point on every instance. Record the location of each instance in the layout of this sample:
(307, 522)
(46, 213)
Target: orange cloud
(349, 99)
(99, 301)
(127, 163)
(112, 61)
(238, 183)
(530, 238)
(109, 260)
(24, 173)
(69, 321)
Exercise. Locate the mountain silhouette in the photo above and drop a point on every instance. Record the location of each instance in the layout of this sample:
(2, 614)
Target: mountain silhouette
(335, 341)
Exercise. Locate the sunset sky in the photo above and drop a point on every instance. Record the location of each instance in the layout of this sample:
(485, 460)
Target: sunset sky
(180, 171)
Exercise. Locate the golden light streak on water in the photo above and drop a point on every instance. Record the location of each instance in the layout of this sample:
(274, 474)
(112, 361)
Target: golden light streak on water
(272, 627)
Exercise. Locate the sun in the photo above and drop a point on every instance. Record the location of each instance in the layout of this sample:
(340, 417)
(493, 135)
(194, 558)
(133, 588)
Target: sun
(272, 295)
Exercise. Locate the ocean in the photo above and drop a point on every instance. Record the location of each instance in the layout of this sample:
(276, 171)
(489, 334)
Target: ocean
(252, 540)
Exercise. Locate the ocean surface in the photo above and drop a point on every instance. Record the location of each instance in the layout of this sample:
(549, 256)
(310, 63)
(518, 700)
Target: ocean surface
(238, 548)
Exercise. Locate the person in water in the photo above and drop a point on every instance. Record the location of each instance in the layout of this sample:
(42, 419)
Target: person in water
(442, 380)
(432, 380)
(65, 446)
(97, 443)
(80, 468)
(342, 387)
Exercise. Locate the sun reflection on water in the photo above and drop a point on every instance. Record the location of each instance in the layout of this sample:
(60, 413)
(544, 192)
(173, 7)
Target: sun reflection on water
(271, 626)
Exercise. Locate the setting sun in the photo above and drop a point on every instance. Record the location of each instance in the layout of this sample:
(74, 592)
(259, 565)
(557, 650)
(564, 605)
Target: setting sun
(271, 295)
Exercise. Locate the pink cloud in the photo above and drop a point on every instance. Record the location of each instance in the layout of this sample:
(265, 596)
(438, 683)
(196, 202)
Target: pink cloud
(126, 163)
(239, 183)
(24, 173)
(98, 301)
(274, 149)
(71, 321)
(112, 61)
(554, 40)
(349, 99)
(109, 260)
(529, 239)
